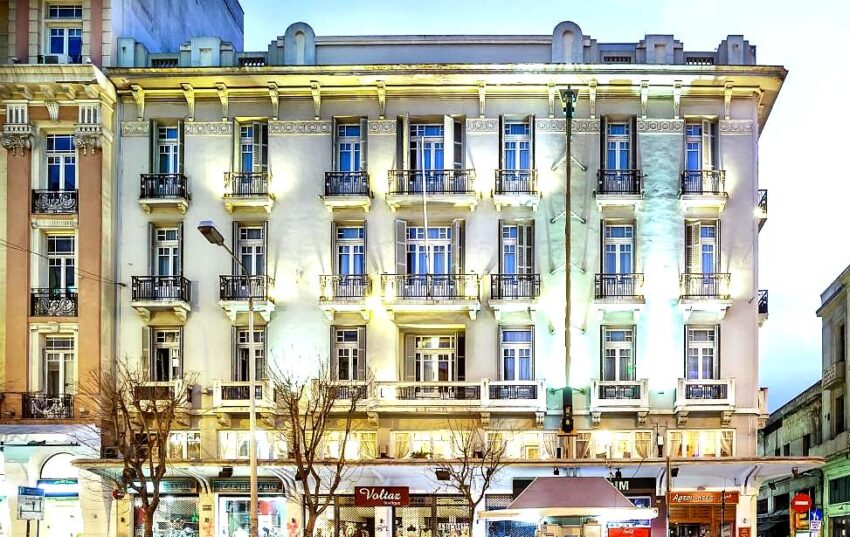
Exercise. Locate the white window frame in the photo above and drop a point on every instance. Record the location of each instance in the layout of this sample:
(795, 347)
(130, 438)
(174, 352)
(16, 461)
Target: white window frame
(66, 360)
(347, 143)
(166, 247)
(426, 354)
(708, 442)
(614, 349)
(243, 347)
(252, 144)
(348, 350)
(517, 144)
(617, 444)
(518, 351)
(186, 442)
(421, 143)
(63, 261)
(439, 244)
(60, 159)
(350, 249)
(168, 146)
(619, 143)
(360, 445)
(160, 340)
(704, 245)
(618, 246)
(697, 348)
(252, 250)
(270, 445)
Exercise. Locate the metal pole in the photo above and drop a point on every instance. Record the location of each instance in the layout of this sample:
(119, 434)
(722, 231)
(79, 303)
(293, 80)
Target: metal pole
(568, 112)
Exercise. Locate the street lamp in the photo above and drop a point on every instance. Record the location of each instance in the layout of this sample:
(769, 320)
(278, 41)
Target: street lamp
(568, 101)
(214, 236)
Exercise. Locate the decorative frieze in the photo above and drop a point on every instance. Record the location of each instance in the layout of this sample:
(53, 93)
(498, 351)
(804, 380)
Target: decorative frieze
(136, 128)
(381, 126)
(584, 126)
(300, 127)
(558, 126)
(208, 128)
(742, 127)
(16, 137)
(661, 126)
(482, 126)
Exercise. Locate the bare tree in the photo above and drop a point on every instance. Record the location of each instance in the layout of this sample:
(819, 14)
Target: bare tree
(311, 408)
(135, 418)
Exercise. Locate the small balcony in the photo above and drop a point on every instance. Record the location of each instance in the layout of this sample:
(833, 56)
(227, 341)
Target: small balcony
(622, 396)
(248, 190)
(237, 292)
(165, 392)
(618, 292)
(705, 395)
(55, 202)
(151, 294)
(618, 188)
(761, 208)
(347, 190)
(234, 396)
(431, 293)
(345, 293)
(454, 188)
(833, 374)
(41, 406)
(164, 191)
(763, 306)
(516, 188)
(513, 293)
(705, 293)
(704, 189)
(46, 302)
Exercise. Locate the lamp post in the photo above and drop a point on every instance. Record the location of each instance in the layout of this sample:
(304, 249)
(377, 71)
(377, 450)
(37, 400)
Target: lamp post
(212, 234)
(568, 100)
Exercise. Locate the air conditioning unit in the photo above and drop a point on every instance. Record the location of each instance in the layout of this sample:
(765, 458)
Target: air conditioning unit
(55, 58)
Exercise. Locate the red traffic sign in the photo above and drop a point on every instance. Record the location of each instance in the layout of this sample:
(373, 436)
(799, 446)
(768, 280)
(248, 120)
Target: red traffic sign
(801, 503)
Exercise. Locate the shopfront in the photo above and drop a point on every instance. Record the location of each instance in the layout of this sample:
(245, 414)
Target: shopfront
(177, 513)
(642, 493)
(702, 513)
(63, 515)
(233, 507)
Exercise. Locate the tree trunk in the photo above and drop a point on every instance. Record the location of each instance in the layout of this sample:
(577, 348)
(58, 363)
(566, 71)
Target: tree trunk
(148, 522)
(309, 524)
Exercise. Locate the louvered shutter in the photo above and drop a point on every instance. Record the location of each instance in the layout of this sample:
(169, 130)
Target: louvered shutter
(179, 249)
(236, 161)
(361, 353)
(533, 354)
(235, 268)
(633, 144)
(602, 354)
(146, 352)
(501, 254)
(364, 144)
(400, 247)
(403, 142)
(180, 353)
(501, 141)
(634, 353)
(335, 144)
(460, 358)
(602, 247)
(409, 357)
(153, 137)
(448, 142)
(525, 248)
(458, 240)
(365, 249)
(334, 365)
(263, 127)
(692, 248)
(717, 363)
(152, 265)
(707, 146)
(603, 142)
(717, 249)
(334, 253)
(235, 373)
(265, 271)
(181, 149)
(458, 144)
(532, 139)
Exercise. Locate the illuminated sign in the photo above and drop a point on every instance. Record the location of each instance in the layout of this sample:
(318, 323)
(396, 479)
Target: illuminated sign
(59, 488)
(240, 486)
(381, 496)
(703, 497)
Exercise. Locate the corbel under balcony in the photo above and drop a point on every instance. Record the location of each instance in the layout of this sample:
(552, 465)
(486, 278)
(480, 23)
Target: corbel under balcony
(345, 294)
(514, 294)
(151, 294)
(347, 190)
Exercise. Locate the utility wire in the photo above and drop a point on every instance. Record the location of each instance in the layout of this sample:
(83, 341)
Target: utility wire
(81, 272)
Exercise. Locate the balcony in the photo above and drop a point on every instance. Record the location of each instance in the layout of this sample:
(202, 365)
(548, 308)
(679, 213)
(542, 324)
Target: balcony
(761, 208)
(347, 190)
(619, 396)
(46, 302)
(151, 294)
(40, 406)
(234, 396)
(431, 293)
(704, 189)
(516, 188)
(237, 292)
(705, 395)
(833, 374)
(618, 292)
(441, 187)
(763, 303)
(618, 188)
(831, 446)
(248, 190)
(165, 392)
(345, 294)
(54, 202)
(705, 293)
(510, 293)
(164, 191)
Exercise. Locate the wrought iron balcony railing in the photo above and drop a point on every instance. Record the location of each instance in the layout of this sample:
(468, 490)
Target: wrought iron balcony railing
(246, 184)
(705, 286)
(626, 286)
(459, 391)
(345, 286)
(619, 390)
(431, 286)
(431, 182)
(346, 391)
(516, 182)
(706, 390)
(47, 302)
(55, 202)
(619, 182)
(40, 406)
(763, 302)
(241, 288)
(710, 182)
(164, 186)
(347, 183)
(514, 286)
(513, 391)
(164, 288)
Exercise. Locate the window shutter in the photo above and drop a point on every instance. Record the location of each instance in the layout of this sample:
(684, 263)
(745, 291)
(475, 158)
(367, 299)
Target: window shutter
(602, 247)
(400, 247)
(533, 354)
(264, 144)
(402, 160)
(707, 146)
(715, 156)
(266, 256)
(236, 269)
(717, 352)
(334, 256)
(458, 241)
(365, 249)
(459, 135)
(409, 357)
(180, 353)
(633, 143)
(333, 366)
(146, 352)
(236, 161)
(603, 142)
(448, 142)
(531, 138)
(460, 361)
(364, 144)
(501, 253)
(180, 249)
(525, 249)
(334, 144)
(361, 353)
(234, 353)
(692, 253)
(500, 355)
(687, 349)
(180, 146)
(634, 353)
(153, 146)
(151, 249)
(602, 353)
(501, 141)
(264, 373)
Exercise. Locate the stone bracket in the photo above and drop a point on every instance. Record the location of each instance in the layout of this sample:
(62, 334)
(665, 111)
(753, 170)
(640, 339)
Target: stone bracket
(275, 98)
(382, 98)
(681, 418)
(189, 94)
(223, 97)
(139, 98)
(316, 92)
(726, 417)
(596, 418)
(644, 97)
(482, 98)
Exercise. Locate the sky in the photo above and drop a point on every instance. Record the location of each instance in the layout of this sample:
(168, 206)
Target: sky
(801, 248)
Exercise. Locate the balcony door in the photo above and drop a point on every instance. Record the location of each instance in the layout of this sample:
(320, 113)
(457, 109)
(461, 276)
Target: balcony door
(429, 250)
(253, 151)
(516, 259)
(61, 163)
(167, 261)
(618, 354)
(427, 156)
(59, 365)
(702, 359)
(618, 249)
(252, 249)
(61, 263)
(702, 257)
(166, 363)
(348, 146)
(699, 146)
(618, 146)
(435, 358)
(242, 354)
(168, 149)
(350, 258)
(517, 347)
(348, 346)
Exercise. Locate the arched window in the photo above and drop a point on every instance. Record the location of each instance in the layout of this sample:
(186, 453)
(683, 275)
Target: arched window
(59, 466)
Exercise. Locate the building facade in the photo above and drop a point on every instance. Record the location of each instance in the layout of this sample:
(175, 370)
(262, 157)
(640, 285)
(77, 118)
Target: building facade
(399, 203)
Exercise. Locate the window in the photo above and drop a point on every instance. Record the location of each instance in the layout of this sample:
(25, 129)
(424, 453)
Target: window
(166, 364)
(781, 502)
(233, 445)
(348, 146)
(517, 350)
(184, 445)
(242, 355)
(168, 142)
(427, 148)
(618, 248)
(359, 445)
(839, 490)
(166, 251)
(761, 506)
(700, 145)
(517, 248)
(702, 360)
(435, 358)
(618, 143)
(702, 241)
(432, 255)
(840, 425)
(519, 445)
(616, 445)
(516, 137)
(807, 444)
(786, 450)
(348, 348)
(61, 262)
(66, 41)
(841, 348)
(618, 353)
(350, 250)
(61, 163)
(59, 365)
(65, 11)
(254, 147)
(422, 444)
(251, 249)
(701, 443)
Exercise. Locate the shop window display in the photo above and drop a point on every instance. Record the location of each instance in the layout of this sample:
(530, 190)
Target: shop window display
(175, 517)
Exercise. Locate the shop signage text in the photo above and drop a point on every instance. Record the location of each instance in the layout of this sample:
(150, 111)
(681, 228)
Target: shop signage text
(239, 486)
(381, 496)
(628, 532)
(641, 484)
(703, 497)
(59, 488)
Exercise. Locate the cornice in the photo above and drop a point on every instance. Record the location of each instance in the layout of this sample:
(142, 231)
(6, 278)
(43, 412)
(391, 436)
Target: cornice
(300, 127)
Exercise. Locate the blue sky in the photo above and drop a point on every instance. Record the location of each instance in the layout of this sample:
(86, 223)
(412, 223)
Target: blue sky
(802, 248)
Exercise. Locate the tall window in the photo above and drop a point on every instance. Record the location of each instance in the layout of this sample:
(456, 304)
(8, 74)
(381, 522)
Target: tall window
(252, 249)
(517, 349)
(166, 362)
(427, 147)
(699, 145)
(348, 353)
(841, 347)
(166, 251)
(59, 365)
(432, 255)
(168, 148)
(618, 146)
(517, 248)
(701, 247)
(350, 250)
(242, 364)
(66, 41)
(703, 359)
(61, 163)
(617, 445)
(435, 357)
(701, 443)
(517, 145)
(840, 421)
(254, 147)
(618, 353)
(348, 148)
(618, 248)
(61, 272)
(234, 445)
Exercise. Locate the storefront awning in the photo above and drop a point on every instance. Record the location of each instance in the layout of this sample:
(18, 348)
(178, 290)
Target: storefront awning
(571, 497)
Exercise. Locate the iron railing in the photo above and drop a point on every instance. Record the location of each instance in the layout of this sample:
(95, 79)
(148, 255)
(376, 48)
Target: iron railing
(163, 186)
(709, 285)
(626, 286)
(40, 406)
(47, 302)
(439, 391)
(514, 286)
(706, 391)
(704, 182)
(431, 181)
(763, 303)
(432, 286)
(155, 391)
(241, 392)
(246, 184)
(619, 391)
(513, 391)
(55, 202)
(241, 288)
(623, 182)
(161, 288)
(516, 182)
(347, 183)
(345, 286)
(347, 392)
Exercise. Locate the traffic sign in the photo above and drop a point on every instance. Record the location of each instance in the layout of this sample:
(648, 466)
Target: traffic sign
(30, 503)
(815, 520)
(801, 503)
